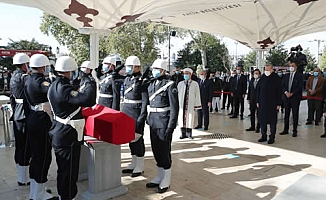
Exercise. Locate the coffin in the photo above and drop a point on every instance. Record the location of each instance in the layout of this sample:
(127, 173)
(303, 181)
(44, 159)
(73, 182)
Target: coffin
(108, 125)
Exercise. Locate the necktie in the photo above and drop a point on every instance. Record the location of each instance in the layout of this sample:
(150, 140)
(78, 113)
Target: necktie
(290, 82)
(255, 84)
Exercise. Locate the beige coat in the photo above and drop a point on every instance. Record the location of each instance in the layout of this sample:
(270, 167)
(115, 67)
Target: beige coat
(194, 103)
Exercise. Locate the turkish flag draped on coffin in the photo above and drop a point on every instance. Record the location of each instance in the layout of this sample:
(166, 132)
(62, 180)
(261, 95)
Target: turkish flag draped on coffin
(108, 125)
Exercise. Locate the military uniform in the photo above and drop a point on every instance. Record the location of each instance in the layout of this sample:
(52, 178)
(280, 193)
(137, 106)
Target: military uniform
(162, 119)
(110, 91)
(20, 110)
(135, 106)
(66, 105)
(36, 88)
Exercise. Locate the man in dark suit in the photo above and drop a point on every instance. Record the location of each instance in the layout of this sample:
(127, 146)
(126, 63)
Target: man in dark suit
(226, 85)
(292, 88)
(268, 98)
(206, 95)
(251, 98)
(238, 92)
(177, 76)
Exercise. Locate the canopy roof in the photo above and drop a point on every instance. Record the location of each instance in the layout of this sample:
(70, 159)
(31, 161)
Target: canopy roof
(254, 23)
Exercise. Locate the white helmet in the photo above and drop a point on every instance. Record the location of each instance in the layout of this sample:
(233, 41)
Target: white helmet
(87, 64)
(161, 64)
(65, 64)
(132, 60)
(39, 60)
(20, 58)
(109, 60)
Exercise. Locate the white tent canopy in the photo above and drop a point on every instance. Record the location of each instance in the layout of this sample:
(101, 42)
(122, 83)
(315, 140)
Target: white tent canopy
(254, 23)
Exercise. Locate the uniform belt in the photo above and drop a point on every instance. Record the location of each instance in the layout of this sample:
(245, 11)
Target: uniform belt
(68, 119)
(159, 109)
(105, 95)
(38, 107)
(19, 100)
(131, 101)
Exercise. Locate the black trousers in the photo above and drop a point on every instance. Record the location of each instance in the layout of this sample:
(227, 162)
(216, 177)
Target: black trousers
(161, 147)
(22, 149)
(203, 113)
(137, 148)
(185, 132)
(230, 100)
(264, 131)
(294, 106)
(253, 110)
(68, 166)
(105, 102)
(314, 107)
(40, 145)
(237, 101)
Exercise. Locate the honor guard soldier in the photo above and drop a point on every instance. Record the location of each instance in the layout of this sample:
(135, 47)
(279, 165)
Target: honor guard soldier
(135, 106)
(109, 87)
(162, 120)
(20, 110)
(86, 75)
(36, 89)
(67, 128)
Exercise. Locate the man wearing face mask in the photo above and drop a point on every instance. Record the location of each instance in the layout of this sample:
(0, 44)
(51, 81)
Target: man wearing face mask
(206, 96)
(238, 92)
(251, 98)
(162, 120)
(268, 98)
(86, 75)
(292, 88)
(189, 102)
(135, 106)
(36, 88)
(20, 110)
(226, 88)
(177, 76)
(314, 89)
(109, 86)
(217, 87)
(67, 128)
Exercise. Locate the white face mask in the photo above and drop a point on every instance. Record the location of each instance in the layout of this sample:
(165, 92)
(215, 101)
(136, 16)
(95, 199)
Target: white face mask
(83, 69)
(232, 75)
(238, 71)
(267, 73)
(255, 76)
(291, 69)
(202, 77)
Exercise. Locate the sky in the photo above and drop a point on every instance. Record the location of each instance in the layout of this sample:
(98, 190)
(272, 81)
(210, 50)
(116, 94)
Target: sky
(22, 23)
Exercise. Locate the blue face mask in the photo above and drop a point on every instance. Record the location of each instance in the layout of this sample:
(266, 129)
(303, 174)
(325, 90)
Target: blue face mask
(217, 76)
(316, 73)
(227, 75)
(279, 74)
(105, 68)
(324, 74)
(129, 69)
(156, 73)
(176, 72)
(186, 77)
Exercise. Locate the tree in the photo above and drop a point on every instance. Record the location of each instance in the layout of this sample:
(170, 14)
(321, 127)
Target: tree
(216, 53)
(26, 45)
(322, 61)
(138, 39)
(311, 60)
(277, 56)
(250, 60)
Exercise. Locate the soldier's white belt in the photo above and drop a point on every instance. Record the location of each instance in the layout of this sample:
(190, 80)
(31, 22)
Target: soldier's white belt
(159, 109)
(19, 100)
(78, 124)
(131, 101)
(105, 95)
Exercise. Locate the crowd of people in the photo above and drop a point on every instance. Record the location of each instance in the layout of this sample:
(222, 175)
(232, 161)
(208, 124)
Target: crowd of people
(51, 98)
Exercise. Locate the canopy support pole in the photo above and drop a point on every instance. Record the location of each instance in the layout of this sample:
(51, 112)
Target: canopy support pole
(260, 59)
(94, 50)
